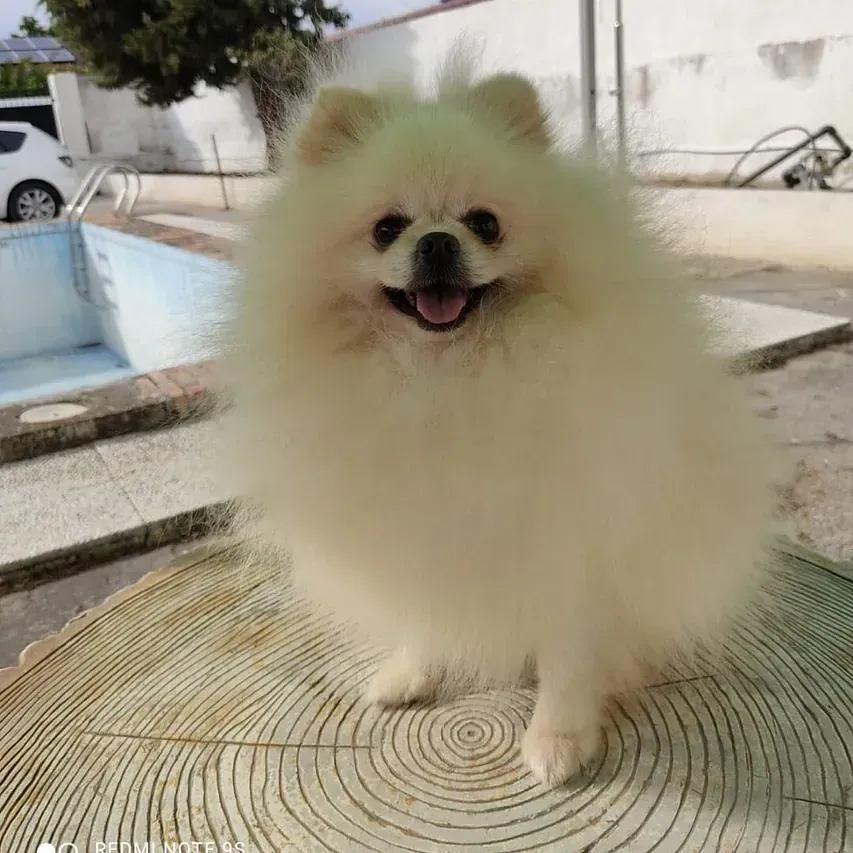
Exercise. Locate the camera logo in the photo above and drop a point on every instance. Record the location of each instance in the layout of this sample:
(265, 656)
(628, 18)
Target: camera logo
(46, 847)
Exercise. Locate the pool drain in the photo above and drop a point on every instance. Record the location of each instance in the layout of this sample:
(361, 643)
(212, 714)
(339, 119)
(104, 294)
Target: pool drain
(51, 412)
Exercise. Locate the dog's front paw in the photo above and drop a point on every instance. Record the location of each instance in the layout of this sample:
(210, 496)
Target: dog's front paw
(401, 681)
(554, 757)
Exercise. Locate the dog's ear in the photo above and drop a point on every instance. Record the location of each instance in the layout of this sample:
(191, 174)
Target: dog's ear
(513, 101)
(339, 116)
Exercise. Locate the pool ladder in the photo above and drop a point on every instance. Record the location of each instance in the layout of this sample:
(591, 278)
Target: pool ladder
(76, 208)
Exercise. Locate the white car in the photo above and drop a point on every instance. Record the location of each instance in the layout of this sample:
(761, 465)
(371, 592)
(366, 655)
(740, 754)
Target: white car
(37, 174)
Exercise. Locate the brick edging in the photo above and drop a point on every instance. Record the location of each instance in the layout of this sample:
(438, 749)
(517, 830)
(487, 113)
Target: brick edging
(167, 397)
(146, 402)
(167, 235)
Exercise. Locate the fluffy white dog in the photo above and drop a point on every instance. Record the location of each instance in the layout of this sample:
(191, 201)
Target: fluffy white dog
(475, 407)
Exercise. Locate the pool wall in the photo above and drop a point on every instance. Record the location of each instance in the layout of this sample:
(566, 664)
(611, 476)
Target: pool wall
(40, 310)
(157, 303)
(152, 305)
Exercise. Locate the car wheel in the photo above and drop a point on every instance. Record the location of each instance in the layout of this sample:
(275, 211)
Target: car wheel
(34, 201)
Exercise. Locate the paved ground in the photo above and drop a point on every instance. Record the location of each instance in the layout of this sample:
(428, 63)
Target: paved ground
(811, 404)
(821, 290)
(103, 205)
(30, 615)
(105, 491)
(809, 399)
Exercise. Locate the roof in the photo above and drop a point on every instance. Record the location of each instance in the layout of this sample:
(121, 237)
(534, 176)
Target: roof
(38, 49)
(444, 6)
(16, 101)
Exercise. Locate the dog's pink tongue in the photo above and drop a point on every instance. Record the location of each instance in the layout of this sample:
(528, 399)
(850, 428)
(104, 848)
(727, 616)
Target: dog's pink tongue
(438, 309)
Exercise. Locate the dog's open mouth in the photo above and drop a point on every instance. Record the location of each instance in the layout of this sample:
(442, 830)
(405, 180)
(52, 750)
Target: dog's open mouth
(437, 310)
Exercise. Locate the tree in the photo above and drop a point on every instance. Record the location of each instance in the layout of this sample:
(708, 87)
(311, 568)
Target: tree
(164, 48)
(22, 79)
(277, 69)
(31, 26)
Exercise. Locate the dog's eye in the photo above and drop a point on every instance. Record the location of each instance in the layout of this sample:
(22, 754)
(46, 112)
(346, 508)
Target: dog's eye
(387, 230)
(484, 225)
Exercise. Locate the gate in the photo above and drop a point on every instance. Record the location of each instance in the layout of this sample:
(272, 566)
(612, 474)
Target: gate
(36, 109)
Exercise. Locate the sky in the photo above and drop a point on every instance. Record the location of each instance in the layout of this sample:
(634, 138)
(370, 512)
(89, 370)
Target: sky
(362, 11)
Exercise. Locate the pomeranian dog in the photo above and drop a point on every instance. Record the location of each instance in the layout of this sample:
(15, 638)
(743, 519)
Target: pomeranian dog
(476, 408)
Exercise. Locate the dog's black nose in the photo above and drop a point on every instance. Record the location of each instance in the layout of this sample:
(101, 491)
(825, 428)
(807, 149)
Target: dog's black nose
(439, 248)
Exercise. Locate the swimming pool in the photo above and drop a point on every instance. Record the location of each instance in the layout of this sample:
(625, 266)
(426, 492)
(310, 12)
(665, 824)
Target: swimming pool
(82, 306)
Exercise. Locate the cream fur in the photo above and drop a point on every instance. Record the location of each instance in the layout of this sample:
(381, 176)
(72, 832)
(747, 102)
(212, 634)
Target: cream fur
(569, 478)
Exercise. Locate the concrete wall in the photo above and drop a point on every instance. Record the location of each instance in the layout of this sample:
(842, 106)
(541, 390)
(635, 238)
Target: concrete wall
(790, 228)
(40, 311)
(704, 77)
(160, 304)
(68, 110)
(153, 305)
(111, 125)
(240, 192)
(809, 229)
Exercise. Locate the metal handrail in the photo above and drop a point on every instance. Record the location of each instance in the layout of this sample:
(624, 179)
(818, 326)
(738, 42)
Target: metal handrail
(810, 141)
(76, 208)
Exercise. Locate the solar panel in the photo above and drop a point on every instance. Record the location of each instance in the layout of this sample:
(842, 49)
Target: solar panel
(39, 49)
(60, 55)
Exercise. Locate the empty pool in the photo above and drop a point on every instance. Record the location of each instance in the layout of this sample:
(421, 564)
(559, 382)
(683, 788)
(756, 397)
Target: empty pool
(82, 306)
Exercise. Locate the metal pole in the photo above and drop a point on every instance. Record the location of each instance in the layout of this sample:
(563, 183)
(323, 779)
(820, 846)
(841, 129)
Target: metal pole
(619, 53)
(588, 82)
(219, 170)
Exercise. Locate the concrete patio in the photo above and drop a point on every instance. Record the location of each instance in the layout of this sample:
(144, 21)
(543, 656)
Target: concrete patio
(135, 492)
(109, 498)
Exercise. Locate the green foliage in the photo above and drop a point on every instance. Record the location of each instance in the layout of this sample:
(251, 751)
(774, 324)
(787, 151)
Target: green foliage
(23, 79)
(31, 26)
(277, 68)
(164, 48)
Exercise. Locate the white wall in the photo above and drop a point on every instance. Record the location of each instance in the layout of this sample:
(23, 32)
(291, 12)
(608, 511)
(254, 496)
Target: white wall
(241, 192)
(794, 229)
(798, 229)
(103, 125)
(706, 76)
(68, 111)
